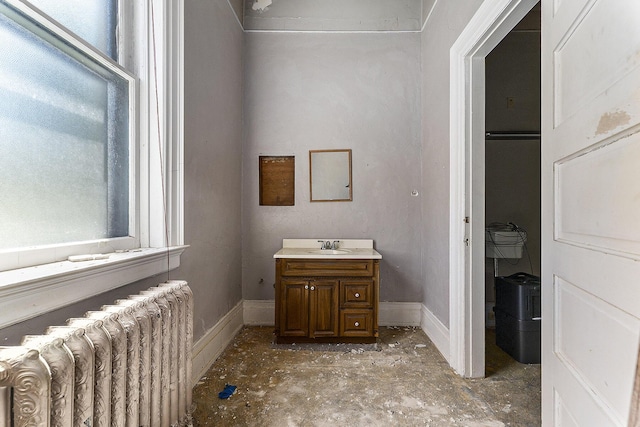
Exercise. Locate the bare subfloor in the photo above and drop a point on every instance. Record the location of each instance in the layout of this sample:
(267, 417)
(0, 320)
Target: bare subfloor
(405, 382)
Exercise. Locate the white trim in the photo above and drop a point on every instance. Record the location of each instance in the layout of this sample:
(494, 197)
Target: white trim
(457, 209)
(492, 21)
(475, 263)
(174, 173)
(163, 194)
(399, 313)
(154, 149)
(437, 332)
(208, 348)
(29, 292)
(259, 312)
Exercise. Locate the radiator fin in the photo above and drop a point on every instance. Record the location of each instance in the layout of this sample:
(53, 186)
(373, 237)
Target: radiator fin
(128, 364)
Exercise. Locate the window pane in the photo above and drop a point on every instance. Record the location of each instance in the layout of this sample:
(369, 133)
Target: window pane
(95, 21)
(64, 145)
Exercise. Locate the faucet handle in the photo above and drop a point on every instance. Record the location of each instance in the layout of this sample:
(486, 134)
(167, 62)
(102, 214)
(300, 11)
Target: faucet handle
(325, 245)
(335, 244)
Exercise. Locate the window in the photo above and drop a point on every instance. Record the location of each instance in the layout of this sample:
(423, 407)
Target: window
(64, 137)
(90, 138)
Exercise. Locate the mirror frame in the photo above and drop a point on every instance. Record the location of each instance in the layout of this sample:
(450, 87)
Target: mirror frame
(311, 152)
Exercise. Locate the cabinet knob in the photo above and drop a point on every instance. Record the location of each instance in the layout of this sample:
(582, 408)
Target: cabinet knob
(357, 295)
(356, 324)
(313, 288)
(306, 286)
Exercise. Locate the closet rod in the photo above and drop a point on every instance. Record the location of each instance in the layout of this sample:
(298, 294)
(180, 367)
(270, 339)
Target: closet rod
(512, 135)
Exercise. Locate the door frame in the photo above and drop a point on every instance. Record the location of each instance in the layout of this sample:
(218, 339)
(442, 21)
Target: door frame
(491, 23)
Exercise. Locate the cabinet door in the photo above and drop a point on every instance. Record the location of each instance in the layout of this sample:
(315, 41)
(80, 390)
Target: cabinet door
(294, 308)
(323, 314)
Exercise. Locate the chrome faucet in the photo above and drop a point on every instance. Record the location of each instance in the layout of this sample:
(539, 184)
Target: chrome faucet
(325, 245)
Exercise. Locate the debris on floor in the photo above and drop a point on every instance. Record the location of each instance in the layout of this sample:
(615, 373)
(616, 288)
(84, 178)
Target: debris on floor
(405, 381)
(227, 392)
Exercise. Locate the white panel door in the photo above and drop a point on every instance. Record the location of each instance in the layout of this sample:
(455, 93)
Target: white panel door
(591, 210)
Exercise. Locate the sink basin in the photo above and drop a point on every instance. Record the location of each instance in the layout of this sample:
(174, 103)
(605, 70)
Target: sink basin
(310, 249)
(330, 251)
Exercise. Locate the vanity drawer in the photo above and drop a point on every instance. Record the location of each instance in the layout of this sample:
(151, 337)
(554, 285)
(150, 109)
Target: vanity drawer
(356, 293)
(329, 267)
(356, 323)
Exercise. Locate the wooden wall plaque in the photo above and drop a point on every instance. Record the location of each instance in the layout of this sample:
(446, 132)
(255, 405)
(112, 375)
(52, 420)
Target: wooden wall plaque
(277, 177)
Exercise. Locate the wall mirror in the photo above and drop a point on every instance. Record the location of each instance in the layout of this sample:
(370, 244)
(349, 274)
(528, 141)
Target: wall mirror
(330, 175)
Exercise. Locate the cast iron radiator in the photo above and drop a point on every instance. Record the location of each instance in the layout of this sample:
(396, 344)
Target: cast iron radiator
(126, 365)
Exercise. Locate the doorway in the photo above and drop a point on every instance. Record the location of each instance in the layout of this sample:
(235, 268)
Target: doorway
(512, 196)
(491, 23)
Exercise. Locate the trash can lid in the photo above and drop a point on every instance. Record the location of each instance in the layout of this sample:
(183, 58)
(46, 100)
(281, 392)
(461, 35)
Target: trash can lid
(524, 279)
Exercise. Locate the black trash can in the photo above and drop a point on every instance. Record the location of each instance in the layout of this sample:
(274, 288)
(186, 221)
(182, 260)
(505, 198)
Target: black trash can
(518, 311)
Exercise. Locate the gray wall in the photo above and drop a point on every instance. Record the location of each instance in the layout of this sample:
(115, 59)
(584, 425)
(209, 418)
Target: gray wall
(513, 195)
(213, 159)
(213, 140)
(513, 70)
(334, 15)
(238, 9)
(445, 24)
(309, 91)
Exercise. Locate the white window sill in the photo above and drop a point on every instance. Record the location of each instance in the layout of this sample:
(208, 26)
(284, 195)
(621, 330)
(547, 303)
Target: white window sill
(29, 292)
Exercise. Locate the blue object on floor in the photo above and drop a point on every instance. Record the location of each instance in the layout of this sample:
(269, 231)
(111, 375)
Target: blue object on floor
(227, 392)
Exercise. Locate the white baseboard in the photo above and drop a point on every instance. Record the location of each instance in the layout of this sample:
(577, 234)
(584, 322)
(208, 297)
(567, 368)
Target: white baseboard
(437, 332)
(207, 349)
(259, 312)
(399, 313)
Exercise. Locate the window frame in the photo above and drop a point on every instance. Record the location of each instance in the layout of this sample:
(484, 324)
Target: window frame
(52, 32)
(40, 279)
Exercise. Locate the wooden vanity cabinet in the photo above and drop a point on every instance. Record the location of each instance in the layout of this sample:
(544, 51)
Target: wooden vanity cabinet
(309, 308)
(327, 300)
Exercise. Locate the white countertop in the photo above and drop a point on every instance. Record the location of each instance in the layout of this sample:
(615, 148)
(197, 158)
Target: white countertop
(310, 249)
